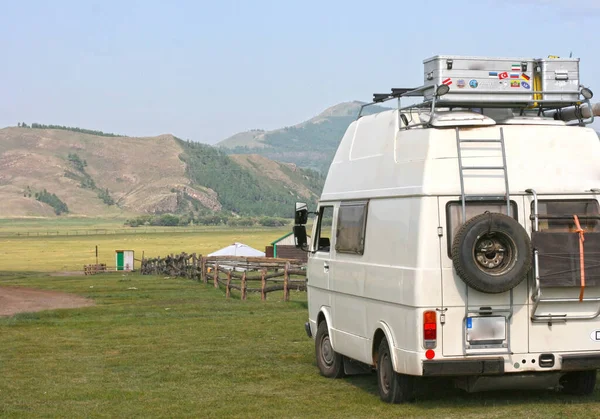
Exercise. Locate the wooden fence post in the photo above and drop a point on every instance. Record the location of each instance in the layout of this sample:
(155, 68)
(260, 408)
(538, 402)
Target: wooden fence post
(227, 291)
(244, 285)
(203, 270)
(286, 291)
(263, 285)
(194, 272)
(216, 275)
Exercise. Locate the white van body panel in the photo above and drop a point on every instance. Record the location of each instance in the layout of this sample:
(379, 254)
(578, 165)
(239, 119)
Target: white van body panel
(409, 177)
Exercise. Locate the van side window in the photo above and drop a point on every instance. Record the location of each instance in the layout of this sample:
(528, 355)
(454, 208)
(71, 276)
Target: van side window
(557, 216)
(454, 214)
(351, 225)
(324, 228)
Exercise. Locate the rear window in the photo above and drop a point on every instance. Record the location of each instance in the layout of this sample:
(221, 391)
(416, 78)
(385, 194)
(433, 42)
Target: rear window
(557, 215)
(454, 214)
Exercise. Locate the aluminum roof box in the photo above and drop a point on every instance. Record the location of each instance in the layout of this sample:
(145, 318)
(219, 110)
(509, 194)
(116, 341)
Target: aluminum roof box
(481, 79)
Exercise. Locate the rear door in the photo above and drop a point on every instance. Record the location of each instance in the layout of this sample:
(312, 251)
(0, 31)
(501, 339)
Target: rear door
(462, 331)
(560, 276)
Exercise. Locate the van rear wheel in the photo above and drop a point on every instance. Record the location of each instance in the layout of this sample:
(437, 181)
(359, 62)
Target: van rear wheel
(579, 383)
(491, 253)
(393, 387)
(330, 363)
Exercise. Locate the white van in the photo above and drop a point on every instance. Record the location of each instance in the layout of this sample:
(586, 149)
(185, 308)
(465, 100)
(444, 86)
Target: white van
(460, 237)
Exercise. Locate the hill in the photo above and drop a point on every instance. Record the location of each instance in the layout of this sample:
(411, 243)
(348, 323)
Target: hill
(44, 172)
(310, 144)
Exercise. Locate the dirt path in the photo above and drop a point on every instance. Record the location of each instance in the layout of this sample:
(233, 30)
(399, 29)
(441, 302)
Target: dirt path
(19, 300)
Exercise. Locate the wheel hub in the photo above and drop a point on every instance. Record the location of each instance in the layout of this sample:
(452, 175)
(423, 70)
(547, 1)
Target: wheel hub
(489, 252)
(327, 351)
(385, 373)
(495, 253)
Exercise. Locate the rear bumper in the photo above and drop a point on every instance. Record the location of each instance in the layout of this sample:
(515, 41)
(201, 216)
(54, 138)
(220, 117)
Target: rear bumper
(580, 362)
(495, 366)
(457, 367)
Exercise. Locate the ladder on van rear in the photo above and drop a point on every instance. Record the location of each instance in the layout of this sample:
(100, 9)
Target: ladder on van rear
(489, 313)
(462, 168)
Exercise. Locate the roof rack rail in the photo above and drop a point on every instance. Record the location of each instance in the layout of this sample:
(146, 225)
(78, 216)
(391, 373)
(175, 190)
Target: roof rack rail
(430, 100)
(528, 86)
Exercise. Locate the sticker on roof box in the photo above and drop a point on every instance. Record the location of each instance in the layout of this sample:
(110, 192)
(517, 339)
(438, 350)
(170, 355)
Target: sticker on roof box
(447, 82)
(461, 83)
(503, 75)
(525, 77)
(493, 74)
(525, 85)
(473, 83)
(515, 67)
(515, 83)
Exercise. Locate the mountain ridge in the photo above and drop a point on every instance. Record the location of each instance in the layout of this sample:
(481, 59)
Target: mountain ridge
(123, 176)
(311, 143)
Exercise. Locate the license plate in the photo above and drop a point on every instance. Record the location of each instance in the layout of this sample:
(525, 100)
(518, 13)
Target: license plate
(486, 329)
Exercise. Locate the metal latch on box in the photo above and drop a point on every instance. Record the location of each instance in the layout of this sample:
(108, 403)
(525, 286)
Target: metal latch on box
(561, 75)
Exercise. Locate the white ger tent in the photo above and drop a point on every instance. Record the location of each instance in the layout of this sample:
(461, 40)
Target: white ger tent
(238, 249)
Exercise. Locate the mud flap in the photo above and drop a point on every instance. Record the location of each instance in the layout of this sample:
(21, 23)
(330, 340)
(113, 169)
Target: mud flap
(352, 367)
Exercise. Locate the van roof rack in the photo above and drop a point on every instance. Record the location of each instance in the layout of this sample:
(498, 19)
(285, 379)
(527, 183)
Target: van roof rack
(531, 87)
(432, 102)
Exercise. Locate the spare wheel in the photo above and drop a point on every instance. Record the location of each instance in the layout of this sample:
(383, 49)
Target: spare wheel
(492, 253)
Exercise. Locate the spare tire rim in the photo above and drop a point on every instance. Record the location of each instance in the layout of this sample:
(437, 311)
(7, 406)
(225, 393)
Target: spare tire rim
(495, 253)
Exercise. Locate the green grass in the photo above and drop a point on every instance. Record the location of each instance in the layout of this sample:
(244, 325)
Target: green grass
(173, 348)
(177, 348)
(67, 253)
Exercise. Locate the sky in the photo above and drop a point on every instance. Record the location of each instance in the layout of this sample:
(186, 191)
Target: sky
(206, 70)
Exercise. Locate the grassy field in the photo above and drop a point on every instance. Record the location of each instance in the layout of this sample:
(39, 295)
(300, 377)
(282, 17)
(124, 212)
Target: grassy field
(156, 347)
(175, 348)
(68, 253)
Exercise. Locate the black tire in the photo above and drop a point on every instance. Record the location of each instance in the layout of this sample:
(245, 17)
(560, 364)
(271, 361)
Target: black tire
(579, 383)
(330, 363)
(393, 387)
(492, 253)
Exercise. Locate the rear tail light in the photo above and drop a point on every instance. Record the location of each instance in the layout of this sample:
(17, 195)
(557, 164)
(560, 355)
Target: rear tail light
(429, 329)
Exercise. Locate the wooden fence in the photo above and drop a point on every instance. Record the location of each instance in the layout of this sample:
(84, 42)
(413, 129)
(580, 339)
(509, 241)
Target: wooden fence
(233, 272)
(94, 269)
(182, 265)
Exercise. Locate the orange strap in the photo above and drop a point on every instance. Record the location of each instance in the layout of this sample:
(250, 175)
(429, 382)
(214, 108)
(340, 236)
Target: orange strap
(581, 258)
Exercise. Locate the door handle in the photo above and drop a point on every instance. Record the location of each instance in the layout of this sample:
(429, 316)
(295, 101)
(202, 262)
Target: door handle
(326, 266)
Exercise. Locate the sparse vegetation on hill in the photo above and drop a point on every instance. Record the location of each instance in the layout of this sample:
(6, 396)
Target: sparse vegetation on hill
(85, 180)
(35, 125)
(54, 201)
(240, 190)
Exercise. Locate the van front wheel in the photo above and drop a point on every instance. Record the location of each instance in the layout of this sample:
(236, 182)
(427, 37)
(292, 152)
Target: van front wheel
(330, 363)
(393, 387)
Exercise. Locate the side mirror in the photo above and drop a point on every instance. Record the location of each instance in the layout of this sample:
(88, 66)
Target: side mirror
(301, 214)
(300, 236)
